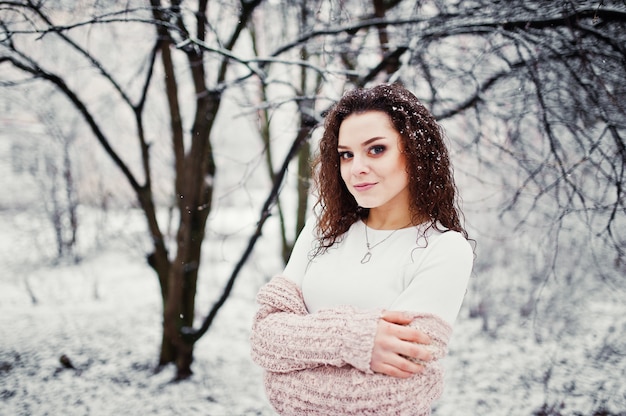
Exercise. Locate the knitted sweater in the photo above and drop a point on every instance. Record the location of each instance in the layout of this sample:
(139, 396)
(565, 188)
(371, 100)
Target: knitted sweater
(319, 363)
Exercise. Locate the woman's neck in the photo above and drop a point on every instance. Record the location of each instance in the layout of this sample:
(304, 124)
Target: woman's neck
(385, 220)
(382, 221)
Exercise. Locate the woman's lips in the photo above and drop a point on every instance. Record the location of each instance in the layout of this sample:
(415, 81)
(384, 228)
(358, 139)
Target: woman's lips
(364, 186)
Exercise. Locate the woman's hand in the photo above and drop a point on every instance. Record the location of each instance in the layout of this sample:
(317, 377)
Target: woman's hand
(395, 344)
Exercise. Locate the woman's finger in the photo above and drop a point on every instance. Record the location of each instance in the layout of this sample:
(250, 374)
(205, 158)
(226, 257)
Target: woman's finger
(401, 319)
(407, 333)
(414, 352)
(397, 317)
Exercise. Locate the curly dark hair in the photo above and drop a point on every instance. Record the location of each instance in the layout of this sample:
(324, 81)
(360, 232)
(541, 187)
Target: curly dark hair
(431, 180)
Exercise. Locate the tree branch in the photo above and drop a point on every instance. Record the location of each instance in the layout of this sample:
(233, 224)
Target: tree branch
(38, 72)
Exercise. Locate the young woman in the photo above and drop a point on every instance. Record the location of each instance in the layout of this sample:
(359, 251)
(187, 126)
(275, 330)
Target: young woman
(361, 316)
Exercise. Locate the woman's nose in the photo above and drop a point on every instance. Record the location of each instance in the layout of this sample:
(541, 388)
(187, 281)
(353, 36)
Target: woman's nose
(359, 165)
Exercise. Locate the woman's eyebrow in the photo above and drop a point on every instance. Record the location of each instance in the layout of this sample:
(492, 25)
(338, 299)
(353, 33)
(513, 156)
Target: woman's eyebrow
(365, 143)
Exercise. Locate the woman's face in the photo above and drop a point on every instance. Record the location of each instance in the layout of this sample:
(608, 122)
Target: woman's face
(371, 162)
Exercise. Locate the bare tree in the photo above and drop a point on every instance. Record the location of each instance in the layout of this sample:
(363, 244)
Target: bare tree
(58, 186)
(25, 22)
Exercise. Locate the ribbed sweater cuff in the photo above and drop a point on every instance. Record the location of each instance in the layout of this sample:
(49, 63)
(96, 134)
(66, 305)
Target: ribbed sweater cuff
(358, 333)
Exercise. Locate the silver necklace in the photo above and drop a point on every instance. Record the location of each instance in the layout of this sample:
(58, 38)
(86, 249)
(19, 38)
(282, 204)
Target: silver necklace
(368, 254)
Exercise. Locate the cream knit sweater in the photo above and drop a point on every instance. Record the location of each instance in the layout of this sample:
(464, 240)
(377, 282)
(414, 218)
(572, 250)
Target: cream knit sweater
(319, 364)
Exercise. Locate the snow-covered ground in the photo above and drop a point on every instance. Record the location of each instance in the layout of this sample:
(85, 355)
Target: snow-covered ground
(104, 316)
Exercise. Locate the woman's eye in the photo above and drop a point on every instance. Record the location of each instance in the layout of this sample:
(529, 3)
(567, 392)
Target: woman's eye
(345, 155)
(376, 150)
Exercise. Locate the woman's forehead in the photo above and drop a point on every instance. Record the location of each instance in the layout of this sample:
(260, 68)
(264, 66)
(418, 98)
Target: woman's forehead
(361, 127)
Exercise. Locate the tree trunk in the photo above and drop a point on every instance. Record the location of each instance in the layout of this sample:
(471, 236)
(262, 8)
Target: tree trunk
(195, 194)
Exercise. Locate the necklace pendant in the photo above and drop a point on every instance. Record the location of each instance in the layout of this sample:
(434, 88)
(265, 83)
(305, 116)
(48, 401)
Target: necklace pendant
(366, 257)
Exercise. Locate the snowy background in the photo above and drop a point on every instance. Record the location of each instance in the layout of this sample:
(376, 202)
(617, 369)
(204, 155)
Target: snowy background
(103, 314)
(542, 330)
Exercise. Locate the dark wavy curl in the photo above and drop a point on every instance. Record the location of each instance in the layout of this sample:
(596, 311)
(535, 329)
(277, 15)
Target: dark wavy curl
(431, 181)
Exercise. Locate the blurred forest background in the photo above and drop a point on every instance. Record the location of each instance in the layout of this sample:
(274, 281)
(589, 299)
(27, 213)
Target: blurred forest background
(180, 132)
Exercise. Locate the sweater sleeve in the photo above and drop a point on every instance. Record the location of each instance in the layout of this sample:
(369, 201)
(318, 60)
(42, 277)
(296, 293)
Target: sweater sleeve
(286, 338)
(345, 390)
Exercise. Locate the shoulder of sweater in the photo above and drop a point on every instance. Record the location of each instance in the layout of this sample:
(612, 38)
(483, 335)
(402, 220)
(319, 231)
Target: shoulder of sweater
(449, 243)
(448, 236)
